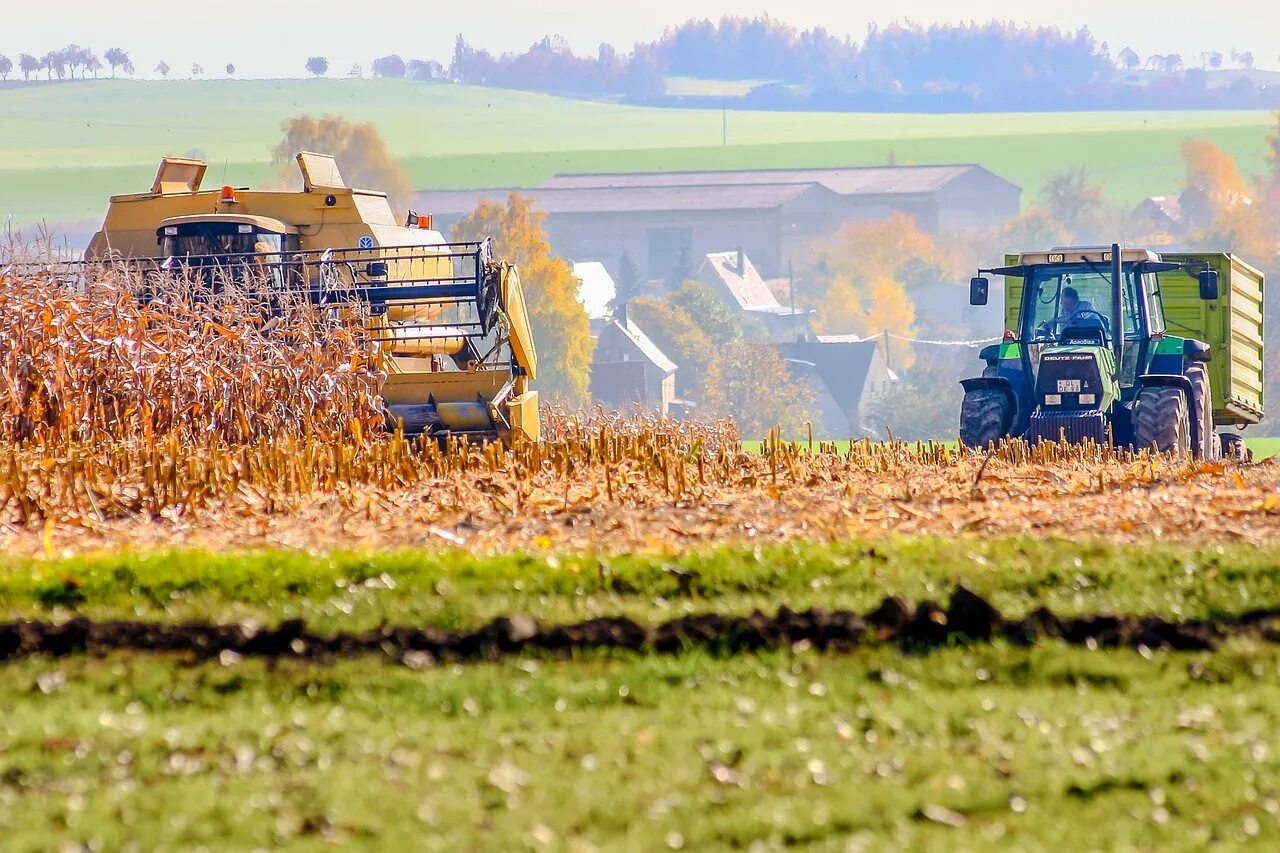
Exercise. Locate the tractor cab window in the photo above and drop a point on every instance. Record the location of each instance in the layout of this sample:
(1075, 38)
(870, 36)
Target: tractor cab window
(1155, 304)
(1074, 301)
(229, 251)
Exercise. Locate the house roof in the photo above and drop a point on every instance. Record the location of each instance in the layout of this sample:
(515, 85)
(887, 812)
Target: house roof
(627, 199)
(644, 344)
(842, 365)
(596, 287)
(745, 286)
(1169, 206)
(856, 180)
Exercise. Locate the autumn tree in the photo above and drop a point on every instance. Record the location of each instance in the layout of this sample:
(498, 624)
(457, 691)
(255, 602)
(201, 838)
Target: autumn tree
(318, 65)
(752, 383)
(6, 67)
(230, 69)
(1214, 185)
(708, 309)
(1075, 201)
(361, 154)
(28, 65)
(561, 331)
(163, 69)
(681, 338)
(197, 70)
(858, 281)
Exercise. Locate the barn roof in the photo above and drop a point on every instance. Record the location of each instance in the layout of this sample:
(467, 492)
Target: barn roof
(850, 180)
(589, 200)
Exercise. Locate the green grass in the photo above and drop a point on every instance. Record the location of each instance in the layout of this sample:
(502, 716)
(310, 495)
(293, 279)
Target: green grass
(63, 148)
(878, 749)
(458, 590)
(1038, 749)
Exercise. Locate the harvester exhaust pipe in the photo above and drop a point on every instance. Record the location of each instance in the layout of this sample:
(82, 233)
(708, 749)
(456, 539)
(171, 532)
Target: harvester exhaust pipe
(1117, 305)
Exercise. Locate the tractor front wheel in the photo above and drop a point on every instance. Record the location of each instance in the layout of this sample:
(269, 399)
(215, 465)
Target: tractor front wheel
(1161, 420)
(985, 417)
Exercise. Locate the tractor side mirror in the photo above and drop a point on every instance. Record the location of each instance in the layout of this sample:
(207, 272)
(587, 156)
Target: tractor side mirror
(1209, 285)
(377, 269)
(979, 290)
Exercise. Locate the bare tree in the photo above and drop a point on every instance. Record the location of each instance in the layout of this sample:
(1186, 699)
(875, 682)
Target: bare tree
(318, 65)
(6, 67)
(93, 64)
(163, 69)
(231, 69)
(116, 58)
(197, 70)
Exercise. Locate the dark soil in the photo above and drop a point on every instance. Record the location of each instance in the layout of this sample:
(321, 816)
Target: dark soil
(966, 618)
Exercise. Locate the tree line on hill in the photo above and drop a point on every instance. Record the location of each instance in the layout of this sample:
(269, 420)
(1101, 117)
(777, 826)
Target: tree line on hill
(74, 62)
(943, 67)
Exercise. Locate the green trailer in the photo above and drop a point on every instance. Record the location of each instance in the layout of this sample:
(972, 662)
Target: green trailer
(1122, 345)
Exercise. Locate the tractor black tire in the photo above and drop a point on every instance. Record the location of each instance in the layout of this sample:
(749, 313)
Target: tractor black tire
(985, 415)
(1210, 447)
(1161, 420)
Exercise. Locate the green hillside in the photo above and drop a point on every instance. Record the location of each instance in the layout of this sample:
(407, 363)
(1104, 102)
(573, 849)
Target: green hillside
(64, 147)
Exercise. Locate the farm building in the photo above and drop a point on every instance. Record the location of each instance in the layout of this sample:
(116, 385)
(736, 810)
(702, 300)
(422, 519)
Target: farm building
(847, 372)
(662, 220)
(628, 369)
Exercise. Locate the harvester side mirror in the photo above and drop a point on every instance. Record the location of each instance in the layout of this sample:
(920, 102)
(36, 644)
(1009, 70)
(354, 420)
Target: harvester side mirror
(979, 290)
(377, 269)
(1209, 285)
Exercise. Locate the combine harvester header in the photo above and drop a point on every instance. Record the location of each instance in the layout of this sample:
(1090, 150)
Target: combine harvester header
(449, 319)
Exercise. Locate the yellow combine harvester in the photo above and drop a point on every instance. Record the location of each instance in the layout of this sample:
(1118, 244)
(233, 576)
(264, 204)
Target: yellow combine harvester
(448, 319)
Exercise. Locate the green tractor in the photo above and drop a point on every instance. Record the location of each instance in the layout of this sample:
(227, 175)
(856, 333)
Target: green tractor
(1121, 346)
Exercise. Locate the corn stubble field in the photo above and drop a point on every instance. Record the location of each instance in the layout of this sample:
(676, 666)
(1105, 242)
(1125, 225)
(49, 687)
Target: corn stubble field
(237, 612)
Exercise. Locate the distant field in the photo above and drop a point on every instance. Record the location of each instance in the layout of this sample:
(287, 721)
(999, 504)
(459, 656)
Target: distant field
(63, 148)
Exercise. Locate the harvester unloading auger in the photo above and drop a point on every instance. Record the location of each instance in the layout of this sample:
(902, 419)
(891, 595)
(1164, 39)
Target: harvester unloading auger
(448, 319)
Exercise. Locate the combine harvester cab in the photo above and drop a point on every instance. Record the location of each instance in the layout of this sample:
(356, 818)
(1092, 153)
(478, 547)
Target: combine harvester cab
(1122, 346)
(448, 319)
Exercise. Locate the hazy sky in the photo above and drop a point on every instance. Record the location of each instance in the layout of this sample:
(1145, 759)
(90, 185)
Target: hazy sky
(273, 38)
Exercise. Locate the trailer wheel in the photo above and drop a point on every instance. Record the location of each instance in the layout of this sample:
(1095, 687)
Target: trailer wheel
(1161, 420)
(984, 417)
(1233, 447)
(1202, 410)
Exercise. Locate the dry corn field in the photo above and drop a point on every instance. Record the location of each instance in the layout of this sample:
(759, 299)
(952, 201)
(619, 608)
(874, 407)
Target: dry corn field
(185, 422)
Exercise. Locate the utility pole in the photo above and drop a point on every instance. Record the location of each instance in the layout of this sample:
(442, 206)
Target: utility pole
(887, 362)
(791, 282)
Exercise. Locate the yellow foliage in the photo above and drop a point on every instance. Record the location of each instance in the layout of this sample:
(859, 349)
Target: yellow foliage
(891, 310)
(1213, 173)
(362, 156)
(561, 330)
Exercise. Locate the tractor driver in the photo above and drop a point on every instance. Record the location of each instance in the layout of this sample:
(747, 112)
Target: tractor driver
(1070, 307)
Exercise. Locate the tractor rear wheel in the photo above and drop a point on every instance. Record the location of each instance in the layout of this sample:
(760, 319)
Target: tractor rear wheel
(984, 417)
(1202, 410)
(1161, 420)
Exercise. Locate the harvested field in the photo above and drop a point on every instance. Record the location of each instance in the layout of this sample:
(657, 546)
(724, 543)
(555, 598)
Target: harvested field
(613, 487)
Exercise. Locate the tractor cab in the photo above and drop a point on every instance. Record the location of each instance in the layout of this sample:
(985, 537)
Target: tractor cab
(231, 247)
(1089, 354)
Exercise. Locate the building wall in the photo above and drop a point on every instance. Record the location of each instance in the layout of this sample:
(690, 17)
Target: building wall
(977, 200)
(605, 237)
